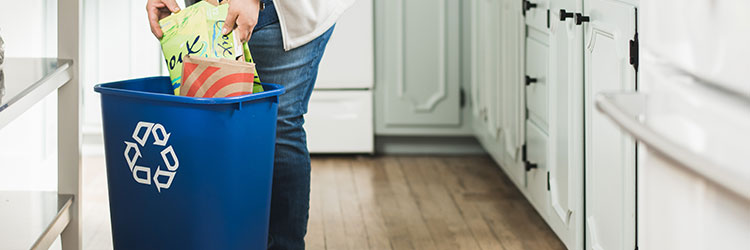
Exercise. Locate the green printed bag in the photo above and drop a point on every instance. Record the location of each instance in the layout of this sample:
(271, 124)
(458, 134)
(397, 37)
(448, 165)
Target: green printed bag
(196, 31)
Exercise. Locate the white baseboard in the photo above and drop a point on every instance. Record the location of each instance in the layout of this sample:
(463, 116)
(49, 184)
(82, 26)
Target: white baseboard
(428, 145)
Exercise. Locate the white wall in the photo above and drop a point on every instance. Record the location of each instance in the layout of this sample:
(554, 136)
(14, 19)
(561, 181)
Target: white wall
(28, 145)
(117, 45)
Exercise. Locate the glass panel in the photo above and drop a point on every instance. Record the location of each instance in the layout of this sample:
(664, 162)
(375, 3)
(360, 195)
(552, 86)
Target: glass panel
(25, 216)
(19, 76)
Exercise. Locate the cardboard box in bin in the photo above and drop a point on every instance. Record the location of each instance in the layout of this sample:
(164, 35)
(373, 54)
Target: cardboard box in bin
(216, 77)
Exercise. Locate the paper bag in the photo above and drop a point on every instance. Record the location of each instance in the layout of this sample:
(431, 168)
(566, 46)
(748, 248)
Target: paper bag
(215, 77)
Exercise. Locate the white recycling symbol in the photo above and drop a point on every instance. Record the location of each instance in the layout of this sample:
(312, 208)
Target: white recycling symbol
(142, 174)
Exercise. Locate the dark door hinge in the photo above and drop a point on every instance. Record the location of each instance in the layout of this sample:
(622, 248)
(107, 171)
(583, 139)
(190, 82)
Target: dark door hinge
(634, 44)
(548, 181)
(462, 97)
(547, 18)
(528, 166)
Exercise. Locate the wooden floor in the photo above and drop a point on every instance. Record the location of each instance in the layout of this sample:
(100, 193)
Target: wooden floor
(420, 203)
(392, 202)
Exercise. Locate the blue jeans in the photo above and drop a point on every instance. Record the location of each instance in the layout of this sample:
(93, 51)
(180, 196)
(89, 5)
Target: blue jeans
(296, 70)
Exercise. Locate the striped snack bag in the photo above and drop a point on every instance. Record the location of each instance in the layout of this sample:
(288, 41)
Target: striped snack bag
(216, 77)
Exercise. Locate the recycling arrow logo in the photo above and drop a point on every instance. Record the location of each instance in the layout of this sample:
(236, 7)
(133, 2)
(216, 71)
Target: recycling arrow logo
(142, 174)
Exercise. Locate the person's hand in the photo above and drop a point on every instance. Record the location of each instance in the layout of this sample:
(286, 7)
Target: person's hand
(242, 18)
(158, 9)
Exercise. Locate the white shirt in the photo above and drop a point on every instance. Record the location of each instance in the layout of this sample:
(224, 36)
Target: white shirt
(302, 21)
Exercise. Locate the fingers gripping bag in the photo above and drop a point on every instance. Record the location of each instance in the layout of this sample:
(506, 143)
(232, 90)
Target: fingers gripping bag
(196, 31)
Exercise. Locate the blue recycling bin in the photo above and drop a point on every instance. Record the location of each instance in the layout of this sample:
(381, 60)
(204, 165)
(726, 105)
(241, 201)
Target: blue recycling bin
(186, 172)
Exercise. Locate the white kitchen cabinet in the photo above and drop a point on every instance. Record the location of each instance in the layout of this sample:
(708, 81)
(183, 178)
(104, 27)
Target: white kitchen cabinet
(569, 55)
(610, 173)
(693, 179)
(510, 114)
(537, 129)
(549, 169)
(536, 81)
(566, 123)
(496, 76)
(489, 67)
(690, 117)
(417, 87)
(478, 32)
(536, 177)
(536, 13)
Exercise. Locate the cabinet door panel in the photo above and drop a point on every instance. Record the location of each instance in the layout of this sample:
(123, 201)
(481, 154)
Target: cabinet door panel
(489, 66)
(496, 38)
(610, 154)
(475, 57)
(536, 92)
(536, 17)
(510, 100)
(421, 63)
(566, 124)
(536, 153)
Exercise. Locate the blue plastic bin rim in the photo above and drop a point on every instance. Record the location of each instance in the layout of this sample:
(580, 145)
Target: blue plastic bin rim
(108, 89)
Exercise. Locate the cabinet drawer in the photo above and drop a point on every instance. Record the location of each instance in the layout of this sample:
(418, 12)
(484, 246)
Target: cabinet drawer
(536, 179)
(536, 91)
(536, 145)
(340, 122)
(536, 17)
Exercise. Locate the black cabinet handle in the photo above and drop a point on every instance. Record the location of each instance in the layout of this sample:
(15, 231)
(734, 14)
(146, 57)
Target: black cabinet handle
(530, 80)
(528, 5)
(528, 166)
(580, 19)
(565, 15)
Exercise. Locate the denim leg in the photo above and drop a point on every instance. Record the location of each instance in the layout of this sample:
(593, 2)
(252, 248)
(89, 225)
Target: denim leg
(296, 70)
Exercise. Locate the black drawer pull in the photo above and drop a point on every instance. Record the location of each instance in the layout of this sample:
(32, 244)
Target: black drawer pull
(565, 15)
(530, 80)
(528, 5)
(580, 19)
(528, 166)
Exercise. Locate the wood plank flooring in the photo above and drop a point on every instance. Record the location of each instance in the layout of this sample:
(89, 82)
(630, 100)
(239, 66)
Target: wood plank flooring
(415, 202)
(388, 202)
